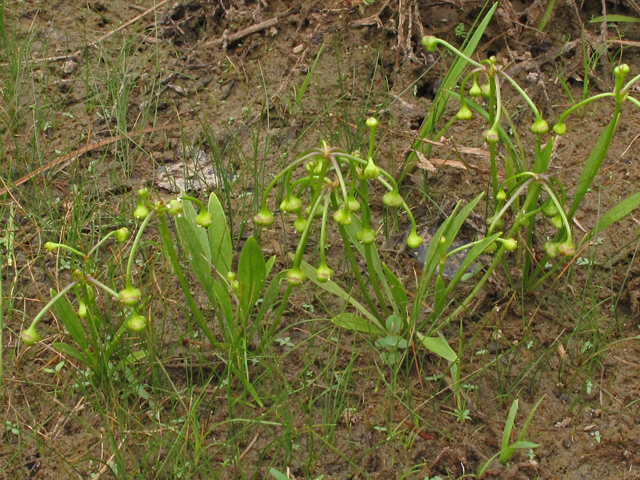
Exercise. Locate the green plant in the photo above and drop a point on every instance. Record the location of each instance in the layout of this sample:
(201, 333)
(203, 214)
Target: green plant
(339, 182)
(544, 194)
(206, 240)
(507, 450)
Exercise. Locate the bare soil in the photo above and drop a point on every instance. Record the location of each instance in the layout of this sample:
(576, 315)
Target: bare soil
(587, 425)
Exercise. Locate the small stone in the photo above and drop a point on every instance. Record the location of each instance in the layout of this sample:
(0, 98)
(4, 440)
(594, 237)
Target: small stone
(297, 49)
(70, 67)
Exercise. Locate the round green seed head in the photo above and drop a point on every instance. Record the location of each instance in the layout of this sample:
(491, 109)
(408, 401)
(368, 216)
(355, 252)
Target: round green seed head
(372, 122)
(295, 277)
(464, 113)
(560, 129)
(175, 207)
(414, 240)
(539, 127)
(430, 43)
(323, 273)
(392, 199)
(30, 336)
(130, 296)
(264, 218)
(203, 219)
(122, 234)
(136, 323)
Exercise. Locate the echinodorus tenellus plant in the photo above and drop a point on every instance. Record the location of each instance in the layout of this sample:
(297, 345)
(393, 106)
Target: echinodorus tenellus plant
(336, 184)
(88, 325)
(543, 193)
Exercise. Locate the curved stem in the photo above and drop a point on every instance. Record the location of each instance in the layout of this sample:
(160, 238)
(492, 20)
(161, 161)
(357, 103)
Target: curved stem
(459, 53)
(522, 93)
(583, 103)
(48, 306)
(134, 247)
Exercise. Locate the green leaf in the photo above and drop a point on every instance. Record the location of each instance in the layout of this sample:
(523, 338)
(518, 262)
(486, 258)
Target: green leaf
(134, 357)
(335, 289)
(278, 475)
(195, 243)
(472, 255)
(592, 165)
(440, 347)
(397, 290)
(621, 210)
(457, 67)
(357, 324)
(246, 383)
(72, 352)
(271, 295)
(224, 302)
(508, 426)
(615, 18)
(252, 273)
(219, 237)
(440, 297)
(71, 321)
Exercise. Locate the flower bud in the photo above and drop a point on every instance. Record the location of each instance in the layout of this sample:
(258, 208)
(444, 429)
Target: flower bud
(235, 286)
(371, 171)
(372, 123)
(203, 219)
(430, 43)
(323, 273)
(499, 223)
(295, 277)
(175, 207)
(141, 212)
(30, 336)
(82, 309)
(560, 128)
(366, 236)
(122, 234)
(414, 240)
(539, 127)
(549, 209)
(492, 247)
(501, 196)
(231, 276)
(464, 113)
(300, 224)
(342, 216)
(551, 249)
(475, 90)
(557, 222)
(291, 204)
(310, 167)
(136, 323)
(143, 193)
(621, 71)
(510, 244)
(352, 203)
(50, 246)
(130, 296)
(567, 248)
(264, 218)
(491, 136)
(392, 199)
(485, 90)
(318, 213)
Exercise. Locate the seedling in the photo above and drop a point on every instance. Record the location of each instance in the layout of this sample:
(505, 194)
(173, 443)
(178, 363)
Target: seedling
(507, 450)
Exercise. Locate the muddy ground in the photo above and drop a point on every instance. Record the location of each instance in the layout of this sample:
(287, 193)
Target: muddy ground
(234, 99)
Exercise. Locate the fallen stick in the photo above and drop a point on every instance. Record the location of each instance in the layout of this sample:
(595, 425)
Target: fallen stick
(63, 161)
(272, 22)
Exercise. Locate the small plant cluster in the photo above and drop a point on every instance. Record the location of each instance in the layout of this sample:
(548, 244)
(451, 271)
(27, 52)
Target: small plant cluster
(87, 325)
(339, 181)
(543, 193)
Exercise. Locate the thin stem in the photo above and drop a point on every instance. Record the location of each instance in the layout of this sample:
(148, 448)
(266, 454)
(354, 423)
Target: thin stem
(48, 306)
(134, 247)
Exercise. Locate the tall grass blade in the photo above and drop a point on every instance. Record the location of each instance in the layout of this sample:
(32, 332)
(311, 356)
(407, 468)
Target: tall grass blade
(440, 102)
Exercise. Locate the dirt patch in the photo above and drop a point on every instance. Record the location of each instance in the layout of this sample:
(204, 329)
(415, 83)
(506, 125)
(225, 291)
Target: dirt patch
(187, 73)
